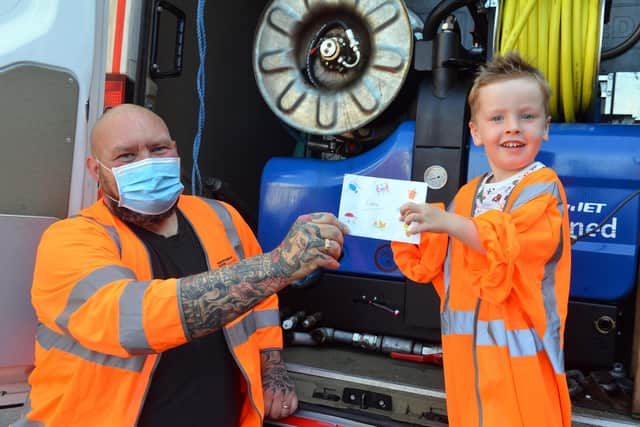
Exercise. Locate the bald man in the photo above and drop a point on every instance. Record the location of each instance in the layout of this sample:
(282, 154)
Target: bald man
(159, 309)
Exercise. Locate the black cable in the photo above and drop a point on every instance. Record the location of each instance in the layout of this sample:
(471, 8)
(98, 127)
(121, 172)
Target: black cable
(607, 218)
(622, 47)
(321, 32)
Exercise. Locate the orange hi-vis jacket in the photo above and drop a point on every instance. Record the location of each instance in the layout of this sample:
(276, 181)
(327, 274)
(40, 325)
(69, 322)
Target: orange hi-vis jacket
(104, 322)
(502, 313)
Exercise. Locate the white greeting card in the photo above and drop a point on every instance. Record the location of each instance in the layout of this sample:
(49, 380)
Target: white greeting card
(371, 206)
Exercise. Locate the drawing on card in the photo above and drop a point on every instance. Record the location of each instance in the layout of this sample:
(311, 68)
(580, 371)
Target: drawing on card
(371, 206)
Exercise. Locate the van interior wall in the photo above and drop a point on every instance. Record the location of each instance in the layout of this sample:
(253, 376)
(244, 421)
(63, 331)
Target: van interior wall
(241, 133)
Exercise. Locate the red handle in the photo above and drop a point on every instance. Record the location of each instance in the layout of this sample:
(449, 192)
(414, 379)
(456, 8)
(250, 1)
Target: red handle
(429, 358)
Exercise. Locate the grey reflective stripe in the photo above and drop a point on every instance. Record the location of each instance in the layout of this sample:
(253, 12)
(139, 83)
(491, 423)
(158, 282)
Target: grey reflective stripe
(457, 322)
(131, 328)
(475, 192)
(241, 331)
(551, 338)
(229, 228)
(447, 261)
(476, 370)
(27, 423)
(88, 286)
(520, 342)
(532, 191)
(447, 275)
(109, 229)
(243, 370)
(185, 329)
(25, 411)
(49, 339)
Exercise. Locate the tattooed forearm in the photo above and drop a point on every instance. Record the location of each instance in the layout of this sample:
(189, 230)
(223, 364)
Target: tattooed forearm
(214, 298)
(274, 372)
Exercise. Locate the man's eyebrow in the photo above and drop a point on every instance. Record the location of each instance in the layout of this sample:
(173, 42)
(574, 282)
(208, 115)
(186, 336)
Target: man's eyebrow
(161, 141)
(122, 148)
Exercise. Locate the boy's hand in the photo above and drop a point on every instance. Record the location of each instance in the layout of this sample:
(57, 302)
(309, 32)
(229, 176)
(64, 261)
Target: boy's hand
(423, 217)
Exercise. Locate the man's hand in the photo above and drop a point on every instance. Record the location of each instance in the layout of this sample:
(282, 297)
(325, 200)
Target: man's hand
(314, 241)
(280, 398)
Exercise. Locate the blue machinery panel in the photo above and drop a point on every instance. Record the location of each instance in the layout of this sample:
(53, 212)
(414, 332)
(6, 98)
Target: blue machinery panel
(598, 164)
(291, 187)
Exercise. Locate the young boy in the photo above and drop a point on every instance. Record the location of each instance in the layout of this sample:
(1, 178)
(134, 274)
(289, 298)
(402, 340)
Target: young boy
(499, 258)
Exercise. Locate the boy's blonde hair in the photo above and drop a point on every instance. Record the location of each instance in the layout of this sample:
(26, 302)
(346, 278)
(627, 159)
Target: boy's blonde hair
(508, 67)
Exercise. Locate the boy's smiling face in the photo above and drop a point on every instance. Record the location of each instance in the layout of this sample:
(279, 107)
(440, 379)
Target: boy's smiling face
(511, 122)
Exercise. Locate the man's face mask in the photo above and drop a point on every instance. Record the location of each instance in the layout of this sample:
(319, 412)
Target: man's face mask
(150, 186)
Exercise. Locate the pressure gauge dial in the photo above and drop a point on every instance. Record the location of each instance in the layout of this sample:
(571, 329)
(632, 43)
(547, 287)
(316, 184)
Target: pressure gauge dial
(435, 176)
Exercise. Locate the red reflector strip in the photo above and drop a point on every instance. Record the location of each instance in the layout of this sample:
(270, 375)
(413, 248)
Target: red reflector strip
(118, 36)
(115, 86)
(295, 421)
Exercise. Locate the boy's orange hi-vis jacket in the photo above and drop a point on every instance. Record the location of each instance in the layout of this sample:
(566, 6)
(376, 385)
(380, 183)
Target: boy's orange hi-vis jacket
(503, 313)
(104, 321)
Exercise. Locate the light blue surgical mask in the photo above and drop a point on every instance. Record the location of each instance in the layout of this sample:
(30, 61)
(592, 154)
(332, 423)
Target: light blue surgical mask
(150, 186)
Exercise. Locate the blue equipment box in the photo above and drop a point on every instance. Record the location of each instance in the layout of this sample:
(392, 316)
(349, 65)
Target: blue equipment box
(291, 187)
(599, 166)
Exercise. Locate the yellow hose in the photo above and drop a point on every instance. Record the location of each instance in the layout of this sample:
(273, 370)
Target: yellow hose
(591, 48)
(543, 36)
(560, 37)
(554, 59)
(566, 61)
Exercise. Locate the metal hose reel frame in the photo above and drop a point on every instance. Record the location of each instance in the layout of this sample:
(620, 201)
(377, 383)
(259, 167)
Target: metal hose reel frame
(356, 96)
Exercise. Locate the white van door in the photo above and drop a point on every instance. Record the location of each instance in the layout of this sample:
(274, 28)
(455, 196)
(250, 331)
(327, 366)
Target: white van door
(52, 66)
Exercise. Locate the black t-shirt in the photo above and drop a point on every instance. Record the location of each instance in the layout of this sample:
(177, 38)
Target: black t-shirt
(196, 384)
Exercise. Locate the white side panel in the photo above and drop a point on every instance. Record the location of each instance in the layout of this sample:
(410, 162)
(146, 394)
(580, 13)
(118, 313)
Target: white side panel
(67, 35)
(61, 34)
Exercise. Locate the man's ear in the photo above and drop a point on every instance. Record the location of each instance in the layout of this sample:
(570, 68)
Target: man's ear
(92, 167)
(474, 134)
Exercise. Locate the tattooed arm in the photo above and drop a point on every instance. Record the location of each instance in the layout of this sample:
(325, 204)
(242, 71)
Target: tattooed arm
(280, 398)
(214, 298)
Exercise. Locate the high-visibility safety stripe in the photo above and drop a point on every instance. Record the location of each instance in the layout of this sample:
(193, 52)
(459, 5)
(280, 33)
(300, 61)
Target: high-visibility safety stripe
(49, 339)
(131, 329)
(27, 423)
(532, 191)
(229, 228)
(456, 322)
(111, 231)
(25, 410)
(240, 332)
(88, 286)
(520, 342)
(551, 338)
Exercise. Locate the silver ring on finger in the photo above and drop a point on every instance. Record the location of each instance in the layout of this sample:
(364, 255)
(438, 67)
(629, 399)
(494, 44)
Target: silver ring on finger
(285, 406)
(327, 244)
